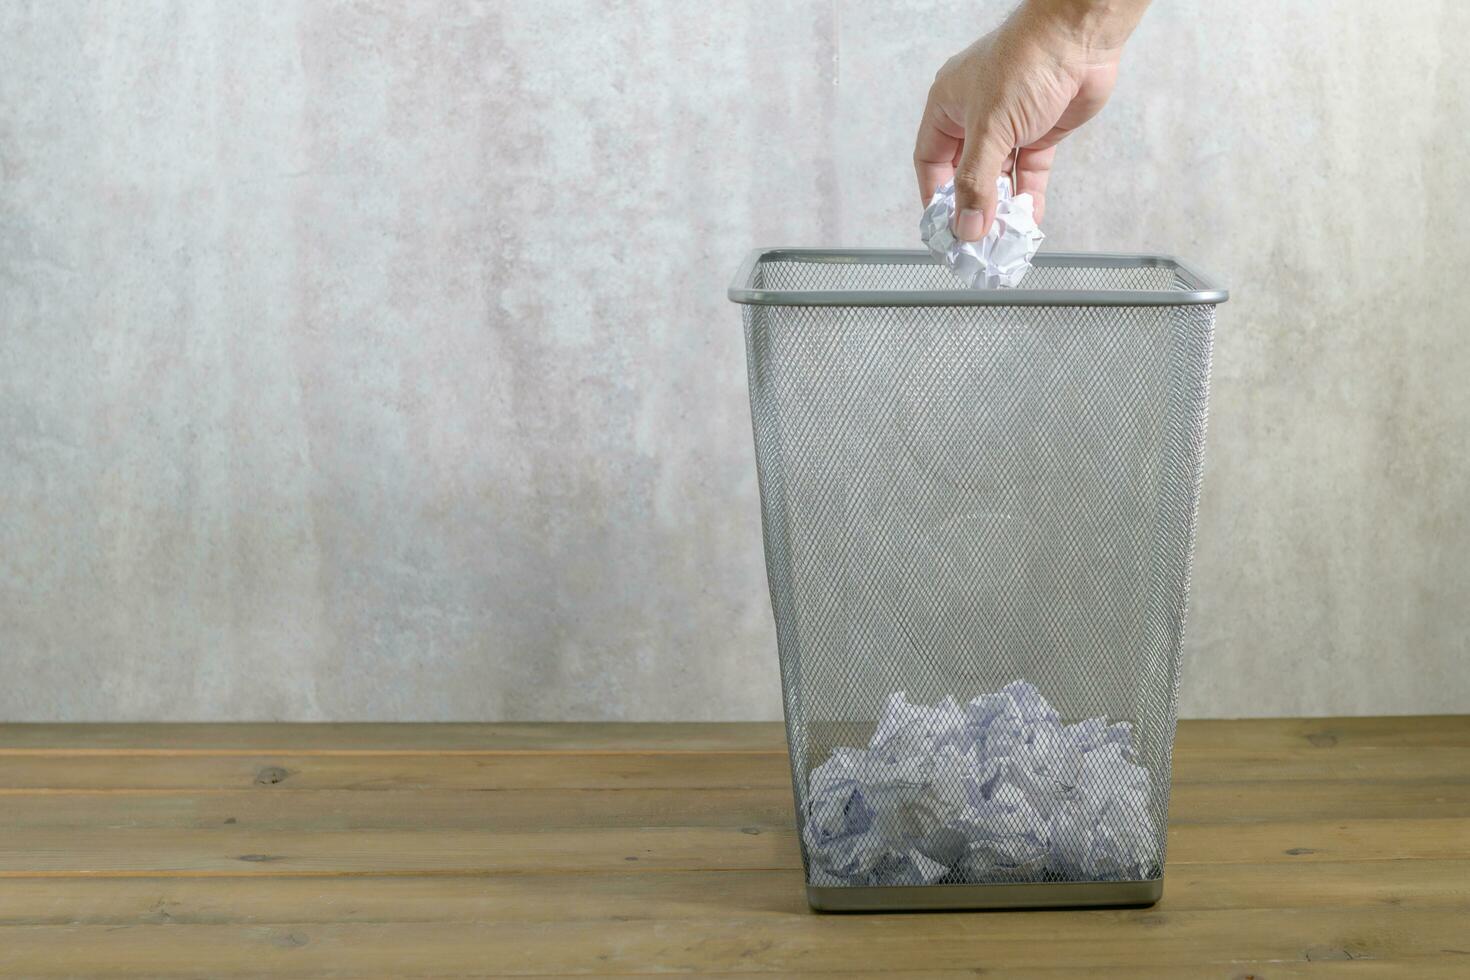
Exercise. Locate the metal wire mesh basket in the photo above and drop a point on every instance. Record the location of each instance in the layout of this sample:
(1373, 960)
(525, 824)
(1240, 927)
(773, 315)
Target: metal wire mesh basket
(979, 511)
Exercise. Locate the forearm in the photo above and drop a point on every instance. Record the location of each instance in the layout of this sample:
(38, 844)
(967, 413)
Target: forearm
(1091, 25)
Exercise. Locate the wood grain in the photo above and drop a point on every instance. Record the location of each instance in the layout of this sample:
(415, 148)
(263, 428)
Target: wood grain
(260, 808)
(1185, 940)
(432, 739)
(1298, 847)
(1421, 731)
(656, 895)
(230, 850)
(686, 771)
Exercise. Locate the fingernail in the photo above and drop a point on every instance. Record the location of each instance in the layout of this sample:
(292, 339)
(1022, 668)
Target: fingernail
(970, 225)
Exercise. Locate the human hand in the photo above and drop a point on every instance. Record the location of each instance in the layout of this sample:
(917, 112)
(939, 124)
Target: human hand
(1048, 69)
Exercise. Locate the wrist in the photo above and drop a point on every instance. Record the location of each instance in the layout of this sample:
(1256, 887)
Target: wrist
(1093, 28)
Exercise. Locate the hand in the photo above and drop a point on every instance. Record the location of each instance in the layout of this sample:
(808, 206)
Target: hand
(1040, 75)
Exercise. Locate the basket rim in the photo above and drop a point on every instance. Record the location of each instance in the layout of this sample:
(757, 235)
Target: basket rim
(1203, 290)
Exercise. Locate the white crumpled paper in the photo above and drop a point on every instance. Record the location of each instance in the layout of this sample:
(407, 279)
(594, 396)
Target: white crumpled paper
(1002, 257)
(994, 790)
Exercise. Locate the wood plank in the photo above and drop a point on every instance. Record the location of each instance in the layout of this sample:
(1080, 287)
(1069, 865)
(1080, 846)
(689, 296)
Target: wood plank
(1335, 763)
(1443, 731)
(233, 850)
(833, 943)
(656, 896)
(1300, 842)
(384, 738)
(287, 772)
(771, 808)
(1318, 799)
(1385, 732)
(414, 810)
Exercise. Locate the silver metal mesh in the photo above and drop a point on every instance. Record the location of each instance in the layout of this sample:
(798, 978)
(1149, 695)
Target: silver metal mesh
(955, 498)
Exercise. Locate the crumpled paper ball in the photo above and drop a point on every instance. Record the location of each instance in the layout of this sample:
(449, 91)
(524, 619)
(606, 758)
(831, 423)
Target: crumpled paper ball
(1002, 257)
(998, 789)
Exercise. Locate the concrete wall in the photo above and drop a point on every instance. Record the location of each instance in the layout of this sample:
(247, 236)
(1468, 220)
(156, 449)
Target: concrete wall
(371, 360)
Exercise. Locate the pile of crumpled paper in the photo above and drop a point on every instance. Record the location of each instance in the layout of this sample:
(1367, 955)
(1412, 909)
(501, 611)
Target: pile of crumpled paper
(994, 790)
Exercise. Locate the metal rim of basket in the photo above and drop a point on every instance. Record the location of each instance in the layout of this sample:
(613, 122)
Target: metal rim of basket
(1201, 289)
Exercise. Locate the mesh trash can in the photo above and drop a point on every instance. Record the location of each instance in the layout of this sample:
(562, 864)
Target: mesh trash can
(978, 511)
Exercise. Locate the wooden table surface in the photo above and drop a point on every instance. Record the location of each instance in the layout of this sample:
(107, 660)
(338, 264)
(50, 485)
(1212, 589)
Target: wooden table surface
(1319, 848)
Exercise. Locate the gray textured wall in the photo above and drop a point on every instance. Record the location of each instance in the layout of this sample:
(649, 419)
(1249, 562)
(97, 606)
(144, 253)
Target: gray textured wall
(371, 360)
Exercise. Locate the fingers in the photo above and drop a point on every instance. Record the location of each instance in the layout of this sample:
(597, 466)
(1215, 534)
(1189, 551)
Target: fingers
(983, 159)
(935, 149)
(1032, 175)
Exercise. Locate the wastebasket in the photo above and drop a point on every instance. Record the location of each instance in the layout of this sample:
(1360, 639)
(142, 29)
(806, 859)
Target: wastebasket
(978, 510)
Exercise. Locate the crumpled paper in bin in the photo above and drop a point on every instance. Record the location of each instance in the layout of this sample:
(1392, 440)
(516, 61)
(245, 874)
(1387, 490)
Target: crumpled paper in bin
(994, 790)
(1002, 257)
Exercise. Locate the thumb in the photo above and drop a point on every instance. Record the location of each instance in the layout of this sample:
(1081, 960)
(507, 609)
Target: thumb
(984, 156)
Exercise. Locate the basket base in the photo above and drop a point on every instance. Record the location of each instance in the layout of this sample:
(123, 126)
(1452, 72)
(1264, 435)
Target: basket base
(1003, 895)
